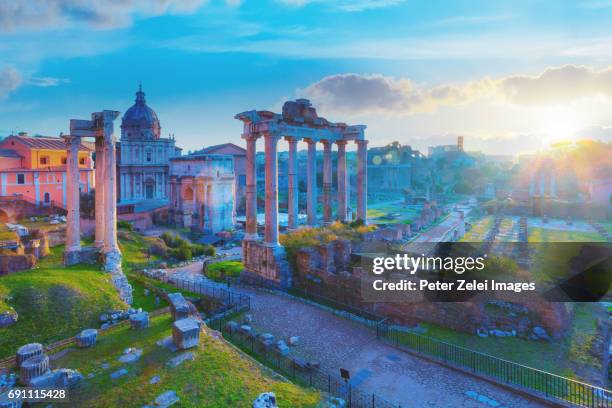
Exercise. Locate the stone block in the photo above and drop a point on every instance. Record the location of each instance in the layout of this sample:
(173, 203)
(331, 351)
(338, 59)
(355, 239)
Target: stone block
(166, 399)
(265, 400)
(139, 320)
(87, 338)
(178, 306)
(186, 333)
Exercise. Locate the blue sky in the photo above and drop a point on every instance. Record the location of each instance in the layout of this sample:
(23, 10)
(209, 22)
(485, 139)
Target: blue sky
(509, 76)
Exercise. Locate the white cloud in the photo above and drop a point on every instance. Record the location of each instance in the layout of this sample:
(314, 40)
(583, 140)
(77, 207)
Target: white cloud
(10, 79)
(373, 93)
(345, 5)
(100, 14)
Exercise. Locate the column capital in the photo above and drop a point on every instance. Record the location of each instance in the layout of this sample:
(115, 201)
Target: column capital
(72, 140)
(362, 142)
(341, 142)
(310, 141)
(326, 143)
(275, 137)
(292, 139)
(251, 137)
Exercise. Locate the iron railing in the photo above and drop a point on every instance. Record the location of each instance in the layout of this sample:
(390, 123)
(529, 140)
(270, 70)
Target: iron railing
(541, 383)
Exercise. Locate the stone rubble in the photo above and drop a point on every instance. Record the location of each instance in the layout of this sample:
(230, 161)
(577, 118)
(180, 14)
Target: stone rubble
(265, 400)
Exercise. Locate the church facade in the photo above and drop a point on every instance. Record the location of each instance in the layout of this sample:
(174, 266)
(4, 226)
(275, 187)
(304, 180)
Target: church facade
(143, 156)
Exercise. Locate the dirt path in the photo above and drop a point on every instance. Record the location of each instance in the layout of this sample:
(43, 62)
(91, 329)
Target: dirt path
(375, 367)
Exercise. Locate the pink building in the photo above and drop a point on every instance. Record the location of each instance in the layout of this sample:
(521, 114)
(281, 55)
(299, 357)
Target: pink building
(34, 169)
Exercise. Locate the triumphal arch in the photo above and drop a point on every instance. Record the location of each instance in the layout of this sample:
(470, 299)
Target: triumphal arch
(101, 128)
(265, 258)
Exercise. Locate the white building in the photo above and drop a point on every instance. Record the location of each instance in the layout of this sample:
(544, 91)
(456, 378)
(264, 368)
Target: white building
(143, 156)
(203, 192)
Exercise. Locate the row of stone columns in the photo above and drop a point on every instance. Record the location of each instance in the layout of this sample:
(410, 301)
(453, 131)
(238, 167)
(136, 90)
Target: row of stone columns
(271, 184)
(106, 190)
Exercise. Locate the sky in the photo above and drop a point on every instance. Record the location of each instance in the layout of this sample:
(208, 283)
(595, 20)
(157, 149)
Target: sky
(510, 76)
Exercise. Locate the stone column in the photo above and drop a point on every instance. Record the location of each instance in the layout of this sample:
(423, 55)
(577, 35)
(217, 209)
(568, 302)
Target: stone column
(362, 179)
(271, 227)
(73, 218)
(311, 179)
(112, 262)
(251, 187)
(327, 182)
(342, 181)
(292, 204)
(199, 199)
(100, 177)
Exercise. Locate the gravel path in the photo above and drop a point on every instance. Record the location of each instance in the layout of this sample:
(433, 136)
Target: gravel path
(375, 367)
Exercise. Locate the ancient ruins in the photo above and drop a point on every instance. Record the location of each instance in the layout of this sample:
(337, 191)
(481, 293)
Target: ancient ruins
(298, 121)
(101, 128)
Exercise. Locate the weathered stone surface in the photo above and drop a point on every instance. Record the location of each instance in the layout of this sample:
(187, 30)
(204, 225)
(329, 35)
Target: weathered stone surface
(186, 333)
(178, 360)
(26, 351)
(119, 373)
(155, 379)
(60, 378)
(87, 338)
(265, 400)
(8, 318)
(166, 399)
(130, 355)
(178, 306)
(10, 263)
(33, 367)
(139, 320)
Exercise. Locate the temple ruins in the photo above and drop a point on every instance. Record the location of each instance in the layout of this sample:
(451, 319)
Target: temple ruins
(265, 259)
(101, 128)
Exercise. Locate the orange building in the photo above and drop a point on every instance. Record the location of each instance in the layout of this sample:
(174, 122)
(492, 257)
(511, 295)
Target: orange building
(34, 169)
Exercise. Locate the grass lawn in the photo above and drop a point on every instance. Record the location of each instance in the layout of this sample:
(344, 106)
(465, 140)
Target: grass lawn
(220, 270)
(54, 302)
(569, 357)
(537, 234)
(220, 376)
(479, 230)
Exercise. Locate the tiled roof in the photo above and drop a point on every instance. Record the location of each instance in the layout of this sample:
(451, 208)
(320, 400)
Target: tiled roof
(44, 142)
(9, 153)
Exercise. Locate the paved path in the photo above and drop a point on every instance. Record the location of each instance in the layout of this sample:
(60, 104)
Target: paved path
(375, 366)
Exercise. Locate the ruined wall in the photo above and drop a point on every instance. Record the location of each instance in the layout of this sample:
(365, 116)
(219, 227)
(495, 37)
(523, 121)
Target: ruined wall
(10, 263)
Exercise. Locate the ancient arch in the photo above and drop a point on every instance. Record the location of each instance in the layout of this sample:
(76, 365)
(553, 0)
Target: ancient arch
(4, 217)
(188, 194)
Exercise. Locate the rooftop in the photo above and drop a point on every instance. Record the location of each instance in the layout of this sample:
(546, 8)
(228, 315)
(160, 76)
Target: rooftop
(44, 142)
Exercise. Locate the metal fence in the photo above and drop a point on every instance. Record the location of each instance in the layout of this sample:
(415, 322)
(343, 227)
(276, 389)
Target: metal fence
(299, 371)
(531, 380)
(229, 297)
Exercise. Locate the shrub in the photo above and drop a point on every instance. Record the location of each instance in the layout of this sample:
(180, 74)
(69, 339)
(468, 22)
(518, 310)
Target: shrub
(125, 225)
(182, 253)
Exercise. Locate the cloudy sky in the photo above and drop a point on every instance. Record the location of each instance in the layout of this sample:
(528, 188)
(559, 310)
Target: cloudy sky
(511, 76)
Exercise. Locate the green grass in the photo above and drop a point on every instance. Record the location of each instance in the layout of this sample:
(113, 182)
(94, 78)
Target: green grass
(479, 230)
(537, 234)
(220, 270)
(569, 357)
(220, 376)
(54, 302)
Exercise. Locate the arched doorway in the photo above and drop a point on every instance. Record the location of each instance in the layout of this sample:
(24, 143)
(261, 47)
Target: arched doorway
(4, 218)
(188, 194)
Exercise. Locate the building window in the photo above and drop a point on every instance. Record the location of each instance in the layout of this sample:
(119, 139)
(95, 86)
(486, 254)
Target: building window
(47, 198)
(242, 180)
(21, 178)
(64, 160)
(44, 160)
(82, 160)
(149, 156)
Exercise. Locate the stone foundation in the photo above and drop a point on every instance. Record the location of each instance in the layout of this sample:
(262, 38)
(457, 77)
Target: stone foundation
(266, 264)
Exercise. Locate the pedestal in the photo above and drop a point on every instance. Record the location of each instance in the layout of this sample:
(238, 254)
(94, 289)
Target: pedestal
(266, 264)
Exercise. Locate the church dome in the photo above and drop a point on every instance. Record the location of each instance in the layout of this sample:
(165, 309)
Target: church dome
(140, 121)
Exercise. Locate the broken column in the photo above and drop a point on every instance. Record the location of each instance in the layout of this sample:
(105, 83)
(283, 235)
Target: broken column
(179, 308)
(186, 333)
(33, 367)
(27, 351)
(86, 338)
(73, 226)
